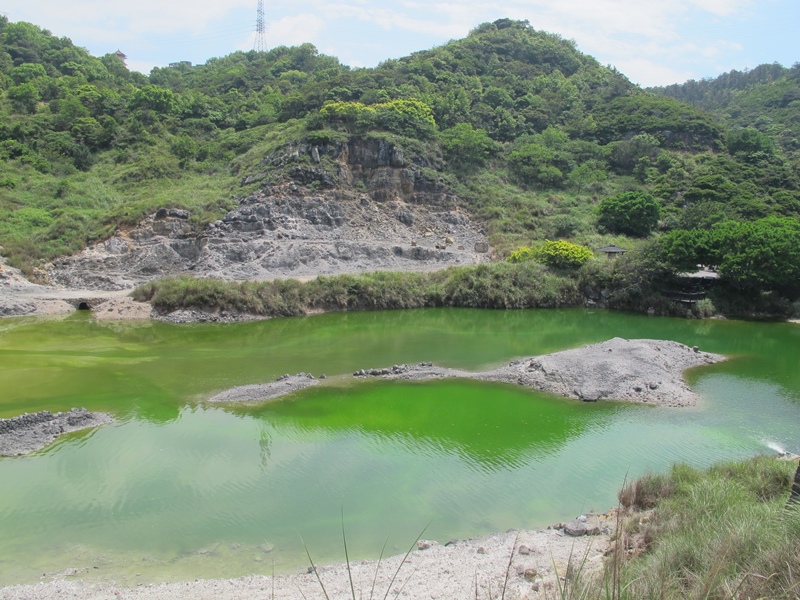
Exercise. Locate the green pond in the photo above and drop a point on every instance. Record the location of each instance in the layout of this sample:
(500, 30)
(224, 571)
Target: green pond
(178, 489)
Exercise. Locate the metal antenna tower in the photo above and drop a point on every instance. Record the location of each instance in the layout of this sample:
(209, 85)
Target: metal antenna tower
(260, 45)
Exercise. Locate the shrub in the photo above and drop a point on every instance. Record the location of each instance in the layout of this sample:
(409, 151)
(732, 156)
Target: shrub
(521, 254)
(630, 213)
(645, 492)
(704, 309)
(562, 254)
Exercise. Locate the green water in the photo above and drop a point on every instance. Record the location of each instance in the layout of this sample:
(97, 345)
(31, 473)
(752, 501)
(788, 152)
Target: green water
(178, 489)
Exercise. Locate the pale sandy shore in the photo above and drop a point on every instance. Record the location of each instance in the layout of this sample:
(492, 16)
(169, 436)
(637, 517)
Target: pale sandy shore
(528, 563)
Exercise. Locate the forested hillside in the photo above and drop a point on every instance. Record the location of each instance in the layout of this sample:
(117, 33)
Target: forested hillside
(766, 99)
(537, 139)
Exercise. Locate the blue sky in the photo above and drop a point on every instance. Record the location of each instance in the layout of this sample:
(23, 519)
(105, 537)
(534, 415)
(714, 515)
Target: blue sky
(653, 42)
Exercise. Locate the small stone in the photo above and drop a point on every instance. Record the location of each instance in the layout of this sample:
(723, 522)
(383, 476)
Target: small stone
(530, 574)
(481, 550)
(524, 550)
(575, 528)
(425, 544)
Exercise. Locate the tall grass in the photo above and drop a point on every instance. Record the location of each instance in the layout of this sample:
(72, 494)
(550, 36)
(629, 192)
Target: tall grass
(500, 285)
(722, 533)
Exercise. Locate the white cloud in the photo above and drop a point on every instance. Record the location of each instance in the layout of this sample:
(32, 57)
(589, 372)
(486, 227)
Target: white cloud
(294, 30)
(649, 73)
(650, 36)
(142, 16)
(723, 8)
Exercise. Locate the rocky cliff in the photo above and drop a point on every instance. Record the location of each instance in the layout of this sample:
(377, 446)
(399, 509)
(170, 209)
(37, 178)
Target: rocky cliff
(340, 208)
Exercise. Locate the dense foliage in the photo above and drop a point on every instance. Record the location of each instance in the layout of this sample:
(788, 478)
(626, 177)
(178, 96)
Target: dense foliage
(631, 213)
(763, 100)
(531, 134)
(761, 255)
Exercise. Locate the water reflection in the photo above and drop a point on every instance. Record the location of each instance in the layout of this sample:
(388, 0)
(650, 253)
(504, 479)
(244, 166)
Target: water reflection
(491, 426)
(179, 483)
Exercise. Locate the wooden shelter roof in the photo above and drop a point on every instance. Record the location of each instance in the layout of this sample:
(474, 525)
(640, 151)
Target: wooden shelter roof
(612, 249)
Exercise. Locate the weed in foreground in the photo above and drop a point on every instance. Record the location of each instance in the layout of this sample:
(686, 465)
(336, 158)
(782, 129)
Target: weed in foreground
(377, 567)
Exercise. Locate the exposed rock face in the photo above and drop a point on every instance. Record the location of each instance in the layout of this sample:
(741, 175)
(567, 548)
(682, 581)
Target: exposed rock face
(376, 212)
(28, 433)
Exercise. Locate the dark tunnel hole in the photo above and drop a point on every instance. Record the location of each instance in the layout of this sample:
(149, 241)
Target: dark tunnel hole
(84, 306)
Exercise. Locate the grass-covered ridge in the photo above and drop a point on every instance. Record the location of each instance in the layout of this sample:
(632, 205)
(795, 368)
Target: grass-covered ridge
(725, 532)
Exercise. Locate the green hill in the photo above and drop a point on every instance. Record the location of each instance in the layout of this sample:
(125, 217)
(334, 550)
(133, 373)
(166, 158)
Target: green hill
(528, 132)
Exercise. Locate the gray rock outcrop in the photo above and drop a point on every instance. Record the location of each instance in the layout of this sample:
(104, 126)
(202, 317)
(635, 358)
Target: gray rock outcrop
(373, 210)
(283, 385)
(30, 432)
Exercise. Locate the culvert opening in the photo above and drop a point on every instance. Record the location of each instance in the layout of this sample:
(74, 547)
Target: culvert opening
(84, 306)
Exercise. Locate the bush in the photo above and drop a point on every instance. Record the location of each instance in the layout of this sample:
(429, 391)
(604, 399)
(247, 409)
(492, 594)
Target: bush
(704, 309)
(521, 254)
(630, 213)
(645, 492)
(562, 254)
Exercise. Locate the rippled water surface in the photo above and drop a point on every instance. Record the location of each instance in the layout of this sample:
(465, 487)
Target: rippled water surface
(178, 489)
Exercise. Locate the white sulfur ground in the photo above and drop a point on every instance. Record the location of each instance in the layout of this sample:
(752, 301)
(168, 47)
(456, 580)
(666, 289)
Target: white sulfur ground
(529, 563)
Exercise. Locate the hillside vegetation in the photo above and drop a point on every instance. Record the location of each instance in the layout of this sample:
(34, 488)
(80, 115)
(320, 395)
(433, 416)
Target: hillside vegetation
(537, 140)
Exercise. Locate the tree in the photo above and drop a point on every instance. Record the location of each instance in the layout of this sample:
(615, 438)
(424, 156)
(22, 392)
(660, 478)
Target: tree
(24, 97)
(412, 118)
(152, 97)
(27, 72)
(630, 213)
(353, 116)
(467, 146)
(763, 254)
(759, 254)
(749, 144)
(586, 173)
(535, 163)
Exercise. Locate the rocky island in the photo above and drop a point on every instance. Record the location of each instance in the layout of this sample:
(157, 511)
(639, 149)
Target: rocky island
(30, 432)
(647, 371)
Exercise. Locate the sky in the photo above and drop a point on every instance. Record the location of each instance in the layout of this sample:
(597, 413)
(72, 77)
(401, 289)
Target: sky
(653, 42)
